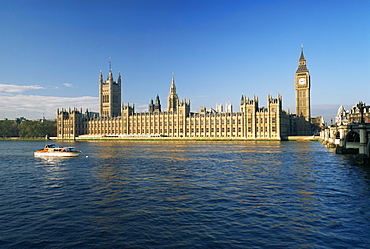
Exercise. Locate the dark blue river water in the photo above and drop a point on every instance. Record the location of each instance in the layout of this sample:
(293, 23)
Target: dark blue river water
(183, 195)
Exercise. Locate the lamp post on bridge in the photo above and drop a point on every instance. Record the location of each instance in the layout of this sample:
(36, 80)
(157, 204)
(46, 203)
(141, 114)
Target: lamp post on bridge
(361, 106)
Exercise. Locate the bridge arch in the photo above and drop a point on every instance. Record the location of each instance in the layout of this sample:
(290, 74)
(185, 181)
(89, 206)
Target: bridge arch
(352, 140)
(337, 137)
(353, 136)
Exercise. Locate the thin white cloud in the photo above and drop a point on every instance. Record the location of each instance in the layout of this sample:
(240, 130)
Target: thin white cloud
(141, 106)
(68, 85)
(36, 106)
(8, 88)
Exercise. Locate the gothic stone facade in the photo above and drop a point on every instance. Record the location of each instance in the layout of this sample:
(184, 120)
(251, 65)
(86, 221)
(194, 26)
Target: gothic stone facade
(251, 122)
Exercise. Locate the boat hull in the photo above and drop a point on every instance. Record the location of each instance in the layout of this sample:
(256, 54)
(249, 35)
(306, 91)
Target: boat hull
(56, 154)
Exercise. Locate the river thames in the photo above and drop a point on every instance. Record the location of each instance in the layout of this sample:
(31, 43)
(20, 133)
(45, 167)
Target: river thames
(183, 195)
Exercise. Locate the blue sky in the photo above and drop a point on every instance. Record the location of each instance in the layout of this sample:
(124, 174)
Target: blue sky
(52, 52)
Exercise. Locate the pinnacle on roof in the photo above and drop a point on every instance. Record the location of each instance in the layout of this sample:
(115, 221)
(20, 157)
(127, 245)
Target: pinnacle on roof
(173, 87)
(110, 75)
(302, 55)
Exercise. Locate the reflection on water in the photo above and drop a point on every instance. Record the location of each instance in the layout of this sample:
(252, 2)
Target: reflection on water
(185, 194)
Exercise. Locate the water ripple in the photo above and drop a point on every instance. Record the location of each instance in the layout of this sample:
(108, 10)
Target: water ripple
(183, 195)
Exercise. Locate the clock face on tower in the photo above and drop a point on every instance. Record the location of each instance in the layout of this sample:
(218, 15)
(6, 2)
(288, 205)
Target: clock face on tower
(302, 81)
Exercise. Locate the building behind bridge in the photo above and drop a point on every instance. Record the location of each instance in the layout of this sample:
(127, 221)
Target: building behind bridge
(353, 115)
(251, 122)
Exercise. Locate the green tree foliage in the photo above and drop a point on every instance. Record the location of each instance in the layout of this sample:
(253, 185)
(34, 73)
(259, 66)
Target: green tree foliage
(27, 128)
(8, 128)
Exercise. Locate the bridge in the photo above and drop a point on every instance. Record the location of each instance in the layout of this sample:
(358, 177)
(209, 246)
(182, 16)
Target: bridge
(349, 139)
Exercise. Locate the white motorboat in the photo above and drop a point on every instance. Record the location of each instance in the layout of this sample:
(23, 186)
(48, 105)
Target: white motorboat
(50, 150)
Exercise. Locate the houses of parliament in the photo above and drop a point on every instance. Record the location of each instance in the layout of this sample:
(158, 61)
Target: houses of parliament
(251, 122)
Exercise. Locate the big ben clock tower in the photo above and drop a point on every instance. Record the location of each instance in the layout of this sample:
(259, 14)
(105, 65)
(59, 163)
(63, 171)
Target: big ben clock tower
(302, 89)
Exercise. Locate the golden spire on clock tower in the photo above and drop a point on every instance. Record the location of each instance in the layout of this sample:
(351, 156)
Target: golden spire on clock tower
(302, 62)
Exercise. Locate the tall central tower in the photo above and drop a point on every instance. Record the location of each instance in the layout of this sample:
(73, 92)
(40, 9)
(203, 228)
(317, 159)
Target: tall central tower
(173, 99)
(302, 89)
(110, 95)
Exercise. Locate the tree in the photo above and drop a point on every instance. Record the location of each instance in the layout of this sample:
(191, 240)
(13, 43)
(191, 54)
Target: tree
(8, 128)
(27, 128)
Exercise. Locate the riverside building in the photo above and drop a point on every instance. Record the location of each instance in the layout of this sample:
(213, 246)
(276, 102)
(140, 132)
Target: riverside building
(251, 122)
